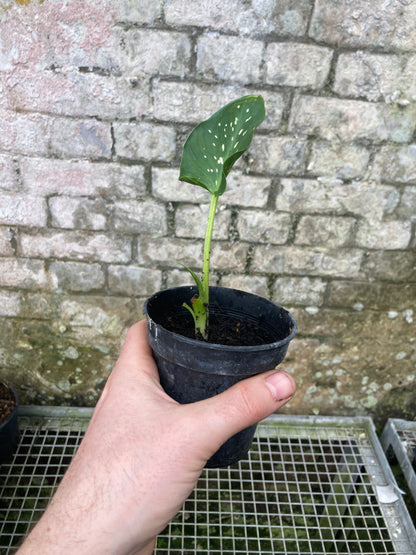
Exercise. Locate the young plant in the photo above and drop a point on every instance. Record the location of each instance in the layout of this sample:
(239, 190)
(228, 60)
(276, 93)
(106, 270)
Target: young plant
(209, 153)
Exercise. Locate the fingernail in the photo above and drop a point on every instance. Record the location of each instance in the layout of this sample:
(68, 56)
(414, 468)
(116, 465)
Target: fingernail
(281, 386)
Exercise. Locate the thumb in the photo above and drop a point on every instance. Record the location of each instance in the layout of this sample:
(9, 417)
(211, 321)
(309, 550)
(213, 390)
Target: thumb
(244, 404)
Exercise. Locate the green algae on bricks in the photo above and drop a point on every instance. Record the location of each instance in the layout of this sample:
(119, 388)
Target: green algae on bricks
(209, 153)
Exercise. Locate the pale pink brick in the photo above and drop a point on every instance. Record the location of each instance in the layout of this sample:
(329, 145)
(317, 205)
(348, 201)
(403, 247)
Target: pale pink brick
(76, 245)
(6, 238)
(78, 213)
(60, 33)
(153, 52)
(192, 103)
(144, 141)
(139, 11)
(24, 133)
(8, 175)
(81, 178)
(17, 209)
(74, 94)
(80, 138)
(21, 272)
(10, 303)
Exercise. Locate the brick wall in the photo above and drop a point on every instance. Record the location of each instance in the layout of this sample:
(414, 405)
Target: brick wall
(96, 102)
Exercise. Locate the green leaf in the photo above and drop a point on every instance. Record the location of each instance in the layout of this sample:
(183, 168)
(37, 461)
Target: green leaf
(214, 145)
(196, 279)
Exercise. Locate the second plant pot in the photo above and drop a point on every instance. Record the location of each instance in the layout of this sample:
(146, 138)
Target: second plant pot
(191, 370)
(9, 431)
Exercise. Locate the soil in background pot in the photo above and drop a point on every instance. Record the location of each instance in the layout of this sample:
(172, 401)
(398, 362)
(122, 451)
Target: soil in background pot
(9, 431)
(7, 402)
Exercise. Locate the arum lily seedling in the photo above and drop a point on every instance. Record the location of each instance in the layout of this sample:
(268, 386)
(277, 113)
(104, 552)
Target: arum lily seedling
(209, 153)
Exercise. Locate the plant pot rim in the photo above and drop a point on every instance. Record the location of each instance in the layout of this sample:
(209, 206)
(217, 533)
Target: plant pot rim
(11, 415)
(215, 346)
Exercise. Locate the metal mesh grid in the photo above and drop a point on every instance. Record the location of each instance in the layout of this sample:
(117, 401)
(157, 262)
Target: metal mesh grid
(301, 490)
(307, 486)
(400, 435)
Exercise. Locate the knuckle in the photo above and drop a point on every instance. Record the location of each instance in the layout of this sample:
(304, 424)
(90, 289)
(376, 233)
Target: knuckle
(248, 404)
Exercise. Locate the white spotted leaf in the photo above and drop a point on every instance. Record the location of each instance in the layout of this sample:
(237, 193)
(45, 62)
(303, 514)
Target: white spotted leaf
(215, 145)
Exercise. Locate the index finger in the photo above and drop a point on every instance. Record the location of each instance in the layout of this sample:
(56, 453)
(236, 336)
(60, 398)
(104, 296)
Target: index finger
(136, 353)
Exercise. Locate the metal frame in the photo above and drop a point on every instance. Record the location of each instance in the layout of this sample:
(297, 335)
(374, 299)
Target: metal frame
(308, 485)
(400, 435)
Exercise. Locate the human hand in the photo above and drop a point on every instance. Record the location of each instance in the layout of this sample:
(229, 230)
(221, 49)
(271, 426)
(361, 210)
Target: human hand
(142, 455)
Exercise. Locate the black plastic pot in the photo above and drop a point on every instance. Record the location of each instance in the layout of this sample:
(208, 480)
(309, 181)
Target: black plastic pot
(192, 370)
(9, 431)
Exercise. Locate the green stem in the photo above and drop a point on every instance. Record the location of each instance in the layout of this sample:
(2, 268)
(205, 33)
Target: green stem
(207, 249)
(200, 302)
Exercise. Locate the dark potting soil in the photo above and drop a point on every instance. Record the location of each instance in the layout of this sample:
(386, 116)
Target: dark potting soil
(224, 330)
(7, 402)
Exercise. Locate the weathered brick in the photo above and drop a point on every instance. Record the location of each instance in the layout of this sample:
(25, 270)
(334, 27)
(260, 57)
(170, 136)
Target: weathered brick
(177, 278)
(139, 11)
(283, 17)
(368, 200)
(281, 155)
(242, 190)
(39, 305)
(6, 237)
(358, 23)
(191, 221)
(408, 80)
(372, 76)
(396, 163)
(24, 133)
(76, 276)
(397, 296)
(78, 213)
(18, 209)
(168, 251)
(219, 58)
(258, 226)
(8, 175)
(80, 138)
(10, 303)
(143, 141)
(312, 262)
(297, 65)
(349, 120)
(324, 323)
(299, 291)
(407, 206)
(188, 102)
(76, 245)
(46, 177)
(23, 273)
(350, 294)
(153, 52)
(384, 235)
(166, 186)
(389, 265)
(94, 318)
(328, 231)
(250, 191)
(252, 284)
(84, 37)
(342, 160)
(226, 256)
(133, 280)
(146, 217)
(75, 94)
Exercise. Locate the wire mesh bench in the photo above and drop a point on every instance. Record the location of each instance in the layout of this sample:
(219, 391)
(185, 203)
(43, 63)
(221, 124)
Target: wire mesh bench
(309, 485)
